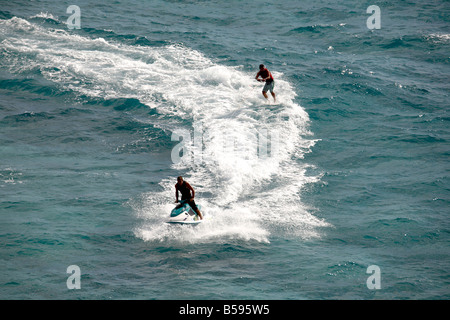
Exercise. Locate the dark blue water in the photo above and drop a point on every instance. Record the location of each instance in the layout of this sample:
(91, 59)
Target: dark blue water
(354, 172)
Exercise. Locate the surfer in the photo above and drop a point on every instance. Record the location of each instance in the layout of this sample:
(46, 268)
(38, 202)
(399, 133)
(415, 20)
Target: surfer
(266, 76)
(185, 188)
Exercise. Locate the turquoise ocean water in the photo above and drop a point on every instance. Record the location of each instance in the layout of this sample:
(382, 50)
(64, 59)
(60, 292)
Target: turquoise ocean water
(355, 173)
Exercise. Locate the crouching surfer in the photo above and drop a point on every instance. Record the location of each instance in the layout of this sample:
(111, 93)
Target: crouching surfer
(185, 188)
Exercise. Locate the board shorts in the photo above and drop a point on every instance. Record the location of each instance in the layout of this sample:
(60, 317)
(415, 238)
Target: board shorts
(269, 86)
(192, 204)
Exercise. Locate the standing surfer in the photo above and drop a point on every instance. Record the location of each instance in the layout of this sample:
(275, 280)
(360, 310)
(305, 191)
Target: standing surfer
(185, 188)
(266, 76)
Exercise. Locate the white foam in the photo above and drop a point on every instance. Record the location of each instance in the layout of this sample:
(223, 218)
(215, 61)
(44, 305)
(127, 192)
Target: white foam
(250, 194)
(439, 37)
(45, 15)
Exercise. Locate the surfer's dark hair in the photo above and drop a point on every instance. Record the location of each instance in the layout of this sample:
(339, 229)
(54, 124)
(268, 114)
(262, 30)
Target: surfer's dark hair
(261, 66)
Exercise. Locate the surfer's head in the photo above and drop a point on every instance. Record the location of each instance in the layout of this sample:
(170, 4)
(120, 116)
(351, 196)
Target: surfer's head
(261, 66)
(180, 179)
